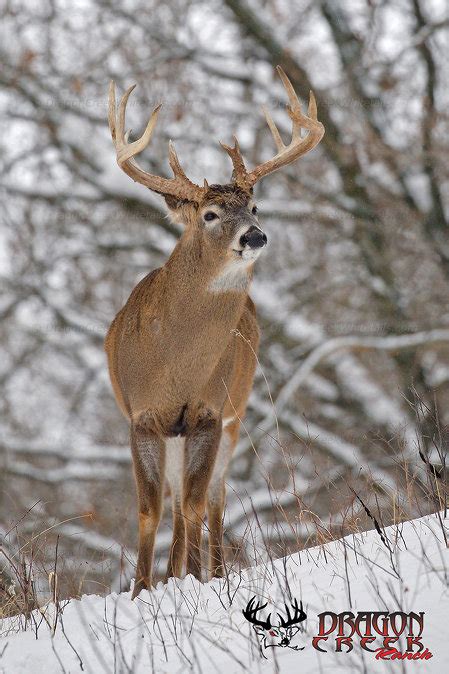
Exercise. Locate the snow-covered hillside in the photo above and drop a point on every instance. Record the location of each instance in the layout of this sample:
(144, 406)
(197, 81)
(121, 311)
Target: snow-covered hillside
(187, 626)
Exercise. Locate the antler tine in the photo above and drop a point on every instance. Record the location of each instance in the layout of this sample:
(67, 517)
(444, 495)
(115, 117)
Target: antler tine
(286, 154)
(274, 130)
(174, 161)
(112, 110)
(312, 109)
(120, 133)
(129, 150)
(179, 186)
(238, 163)
(294, 107)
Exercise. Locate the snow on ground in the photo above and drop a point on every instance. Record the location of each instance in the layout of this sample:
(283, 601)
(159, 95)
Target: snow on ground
(188, 626)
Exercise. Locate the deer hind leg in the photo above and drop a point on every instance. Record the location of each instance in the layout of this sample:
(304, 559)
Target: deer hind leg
(174, 474)
(200, 452)
(215, 509)
(216, 498)
(149, 463)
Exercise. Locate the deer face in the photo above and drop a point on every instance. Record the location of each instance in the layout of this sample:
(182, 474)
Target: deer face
(226, 219)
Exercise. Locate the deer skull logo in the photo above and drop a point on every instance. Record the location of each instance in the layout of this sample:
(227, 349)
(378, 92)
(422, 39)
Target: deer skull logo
(281, 635)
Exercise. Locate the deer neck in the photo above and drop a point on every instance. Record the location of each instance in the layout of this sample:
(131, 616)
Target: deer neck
(198, 284)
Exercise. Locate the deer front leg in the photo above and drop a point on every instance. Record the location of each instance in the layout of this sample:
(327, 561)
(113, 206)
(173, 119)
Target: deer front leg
(149, 464)
(200, 452)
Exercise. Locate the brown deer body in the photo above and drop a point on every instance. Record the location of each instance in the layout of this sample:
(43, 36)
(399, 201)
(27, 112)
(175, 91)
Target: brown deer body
(182, 351)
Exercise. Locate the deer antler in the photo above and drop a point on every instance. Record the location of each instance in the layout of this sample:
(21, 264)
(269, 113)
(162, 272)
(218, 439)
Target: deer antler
(250, 614)
(286, 153)
(179, 186)
(298, 616)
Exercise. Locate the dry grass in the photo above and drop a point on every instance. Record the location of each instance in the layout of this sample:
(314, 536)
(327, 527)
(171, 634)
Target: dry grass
(41, 564)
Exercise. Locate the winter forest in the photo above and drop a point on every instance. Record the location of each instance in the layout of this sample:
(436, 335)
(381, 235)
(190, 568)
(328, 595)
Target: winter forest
(346, 428)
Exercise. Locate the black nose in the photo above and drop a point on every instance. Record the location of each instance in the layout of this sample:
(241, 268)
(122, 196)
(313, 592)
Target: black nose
(253, 237)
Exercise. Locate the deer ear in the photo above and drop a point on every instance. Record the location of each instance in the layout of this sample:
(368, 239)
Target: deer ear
(176, 212)
(259, 629)
(173, 202)
(295, 629)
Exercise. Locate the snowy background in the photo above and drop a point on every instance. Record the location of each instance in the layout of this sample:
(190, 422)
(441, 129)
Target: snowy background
(348, 421)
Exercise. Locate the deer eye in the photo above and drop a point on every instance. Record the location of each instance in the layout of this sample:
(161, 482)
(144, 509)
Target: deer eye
(210, 215)
(273, 634)
(254, 210)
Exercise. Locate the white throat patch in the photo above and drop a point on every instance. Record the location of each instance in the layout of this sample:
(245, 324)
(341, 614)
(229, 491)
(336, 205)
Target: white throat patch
(233, 277)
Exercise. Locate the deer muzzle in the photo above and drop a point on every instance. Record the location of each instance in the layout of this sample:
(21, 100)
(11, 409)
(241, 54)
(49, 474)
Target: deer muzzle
(253, 238)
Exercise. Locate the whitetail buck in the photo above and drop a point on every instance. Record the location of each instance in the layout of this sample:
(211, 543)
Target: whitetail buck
(182, 351)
